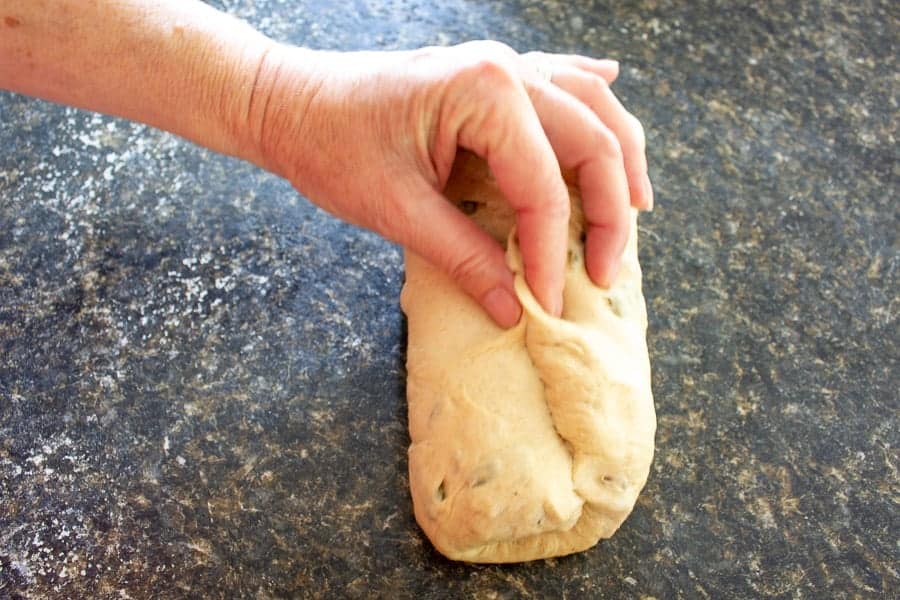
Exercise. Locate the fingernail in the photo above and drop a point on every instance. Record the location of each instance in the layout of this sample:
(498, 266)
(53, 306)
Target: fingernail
(611, 273)
(502, 307)
(648, 192)
(556, 307)
(611, 62)
(614, 67)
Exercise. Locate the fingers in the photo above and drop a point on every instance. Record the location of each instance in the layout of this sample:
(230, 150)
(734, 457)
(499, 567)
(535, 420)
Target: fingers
(433, 228)
(527, 128)
(595, 93)
(606, 69)
(505, 130)
(582, 142)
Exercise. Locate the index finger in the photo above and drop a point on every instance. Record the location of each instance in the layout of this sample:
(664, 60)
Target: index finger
(508, 134)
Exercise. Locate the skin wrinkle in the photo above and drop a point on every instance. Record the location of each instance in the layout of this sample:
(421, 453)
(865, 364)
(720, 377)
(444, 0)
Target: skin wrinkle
(423, 132)
(255, 91)
(264, 119)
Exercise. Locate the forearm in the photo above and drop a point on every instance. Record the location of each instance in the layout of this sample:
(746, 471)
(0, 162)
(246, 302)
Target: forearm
(179, 65)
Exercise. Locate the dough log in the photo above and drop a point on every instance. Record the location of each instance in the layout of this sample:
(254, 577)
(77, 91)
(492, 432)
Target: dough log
(535, 441)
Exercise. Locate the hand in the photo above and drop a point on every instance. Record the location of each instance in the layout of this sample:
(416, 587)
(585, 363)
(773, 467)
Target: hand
(371, 137)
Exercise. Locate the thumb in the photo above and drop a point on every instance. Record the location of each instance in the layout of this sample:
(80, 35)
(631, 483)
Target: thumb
(437, 231)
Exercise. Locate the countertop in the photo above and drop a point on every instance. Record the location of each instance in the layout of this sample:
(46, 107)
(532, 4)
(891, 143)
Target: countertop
(202, 375)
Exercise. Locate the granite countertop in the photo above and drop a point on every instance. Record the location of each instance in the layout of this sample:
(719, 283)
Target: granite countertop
(202, 378)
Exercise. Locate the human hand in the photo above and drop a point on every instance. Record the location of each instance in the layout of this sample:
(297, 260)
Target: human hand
(371, 138)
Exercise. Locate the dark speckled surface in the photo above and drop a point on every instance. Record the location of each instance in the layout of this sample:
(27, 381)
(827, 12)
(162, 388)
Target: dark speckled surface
(202, 381)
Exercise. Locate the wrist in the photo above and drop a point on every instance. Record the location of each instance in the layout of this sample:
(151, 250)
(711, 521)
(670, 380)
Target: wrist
(270, 126)
(232, 78)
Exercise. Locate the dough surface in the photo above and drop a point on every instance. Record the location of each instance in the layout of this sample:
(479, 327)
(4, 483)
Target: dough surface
(535, 441)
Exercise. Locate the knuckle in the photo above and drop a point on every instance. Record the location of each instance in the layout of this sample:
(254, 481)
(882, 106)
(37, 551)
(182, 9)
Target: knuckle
(637, 129)
(557, 206)
(553, 206)
(606, 143)
(491, 71)
(492, 62)
(468, 269)
(594, 90)
(599, 85)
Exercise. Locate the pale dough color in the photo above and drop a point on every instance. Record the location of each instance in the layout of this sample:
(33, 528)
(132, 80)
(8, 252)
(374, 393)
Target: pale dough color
(535, 441)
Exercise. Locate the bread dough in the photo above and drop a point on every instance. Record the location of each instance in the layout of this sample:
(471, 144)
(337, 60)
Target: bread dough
(535, 441)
